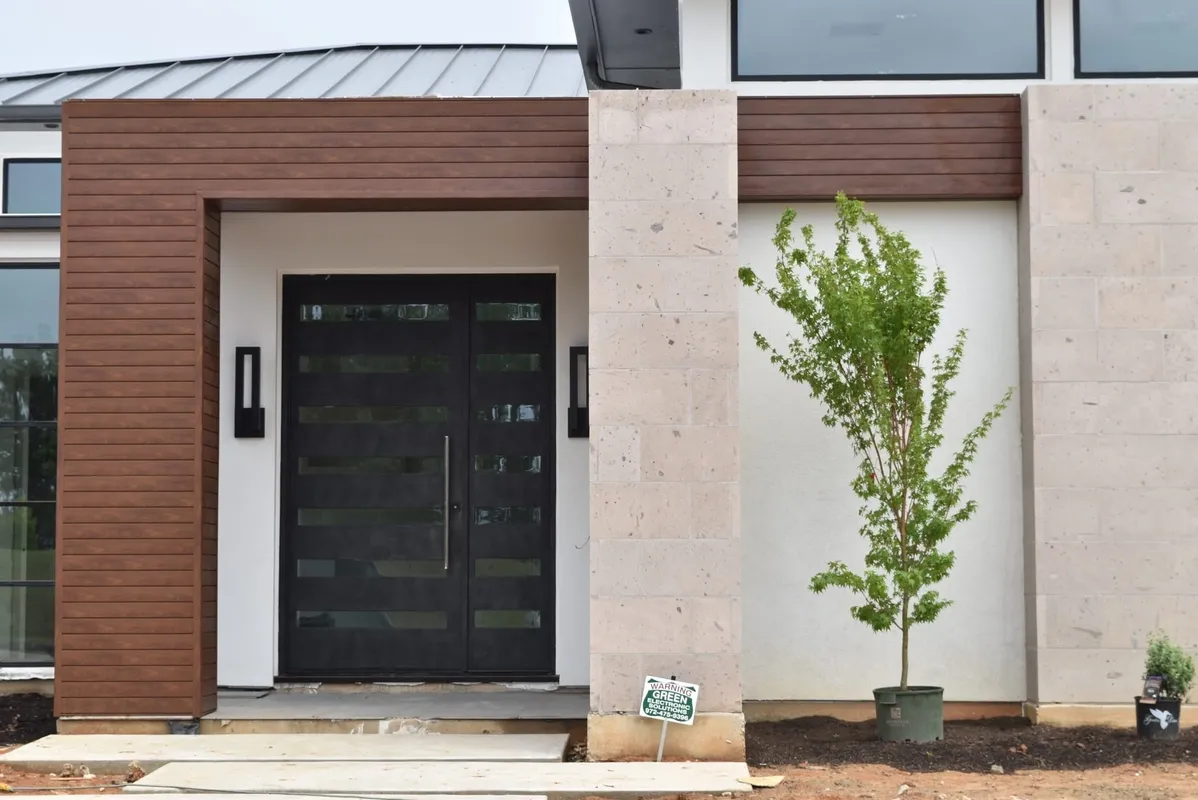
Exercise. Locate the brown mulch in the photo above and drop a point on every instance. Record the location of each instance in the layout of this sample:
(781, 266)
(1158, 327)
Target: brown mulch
(25, 717)
(1013, 744)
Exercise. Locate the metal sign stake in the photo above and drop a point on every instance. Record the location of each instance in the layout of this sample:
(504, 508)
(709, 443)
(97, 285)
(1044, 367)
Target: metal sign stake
(661, 745)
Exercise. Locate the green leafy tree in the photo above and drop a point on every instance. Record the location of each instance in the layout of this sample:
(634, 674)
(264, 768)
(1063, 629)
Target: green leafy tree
(865, 318)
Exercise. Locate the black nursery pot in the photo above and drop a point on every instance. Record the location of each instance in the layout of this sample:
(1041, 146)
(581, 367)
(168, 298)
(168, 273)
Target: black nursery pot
(1160, 720)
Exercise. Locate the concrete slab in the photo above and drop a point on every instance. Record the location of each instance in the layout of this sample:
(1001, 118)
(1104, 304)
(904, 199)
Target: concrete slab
(389, 780)
(498, 705)
(106, 754)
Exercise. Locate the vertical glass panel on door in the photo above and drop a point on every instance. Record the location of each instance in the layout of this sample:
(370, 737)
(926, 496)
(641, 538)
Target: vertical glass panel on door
(508, 465)
(509, 362)
(863, 39)
(373, 364)
(32, 186)
(508, 312)
(1137, 38)
(509, 412)
(404, 312)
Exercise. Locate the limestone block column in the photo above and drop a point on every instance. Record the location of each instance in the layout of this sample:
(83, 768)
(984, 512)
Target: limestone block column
(665, 462)
(1109, 276)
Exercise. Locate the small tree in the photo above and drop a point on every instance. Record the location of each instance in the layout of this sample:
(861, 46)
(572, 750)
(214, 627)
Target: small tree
(865, 320)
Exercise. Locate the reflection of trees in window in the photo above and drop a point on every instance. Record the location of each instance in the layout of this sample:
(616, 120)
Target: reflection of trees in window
(28, 474)
(28, 384)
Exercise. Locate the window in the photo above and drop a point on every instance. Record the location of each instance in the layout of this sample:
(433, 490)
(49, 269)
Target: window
(1130, 38)
(32, 186)
(886, 39)
(28, 460)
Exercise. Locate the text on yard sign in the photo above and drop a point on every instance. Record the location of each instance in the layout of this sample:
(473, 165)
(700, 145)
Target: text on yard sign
(669, 701)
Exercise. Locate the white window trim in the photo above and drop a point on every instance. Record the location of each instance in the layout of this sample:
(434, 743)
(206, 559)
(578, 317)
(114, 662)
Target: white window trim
(26, 673)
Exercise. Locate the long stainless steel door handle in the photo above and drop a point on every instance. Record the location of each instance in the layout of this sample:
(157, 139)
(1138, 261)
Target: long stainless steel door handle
(445, 514)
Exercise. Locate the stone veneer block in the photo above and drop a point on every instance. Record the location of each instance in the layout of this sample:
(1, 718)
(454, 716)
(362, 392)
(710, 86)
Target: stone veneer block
(665, 530)
(1109, 281)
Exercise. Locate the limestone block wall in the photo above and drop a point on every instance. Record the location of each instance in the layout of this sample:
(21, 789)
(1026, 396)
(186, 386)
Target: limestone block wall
(665, 464)
(1109, 280)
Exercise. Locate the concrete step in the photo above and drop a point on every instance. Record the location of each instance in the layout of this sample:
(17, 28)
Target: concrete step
(323, 797)
(390, 780)
(506, 711)
(109, 754)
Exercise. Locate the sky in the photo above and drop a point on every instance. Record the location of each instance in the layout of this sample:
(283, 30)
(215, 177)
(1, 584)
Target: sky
(54, 34)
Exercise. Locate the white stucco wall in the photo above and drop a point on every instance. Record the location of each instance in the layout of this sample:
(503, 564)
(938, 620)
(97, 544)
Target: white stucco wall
(256, 251)
(24, 246)
(706, 44)
(798, 512)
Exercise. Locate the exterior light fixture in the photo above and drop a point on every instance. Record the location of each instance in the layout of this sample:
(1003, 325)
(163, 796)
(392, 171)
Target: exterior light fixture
(578, 425)
(249, 417)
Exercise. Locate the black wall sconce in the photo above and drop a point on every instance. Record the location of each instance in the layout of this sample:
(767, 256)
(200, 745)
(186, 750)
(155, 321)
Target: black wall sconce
(249, 417)
(579, 424)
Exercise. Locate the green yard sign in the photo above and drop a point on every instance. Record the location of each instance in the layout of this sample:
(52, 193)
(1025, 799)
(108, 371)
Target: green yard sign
(669, 700)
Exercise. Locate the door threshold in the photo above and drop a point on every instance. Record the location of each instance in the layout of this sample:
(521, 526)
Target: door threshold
(417, 680)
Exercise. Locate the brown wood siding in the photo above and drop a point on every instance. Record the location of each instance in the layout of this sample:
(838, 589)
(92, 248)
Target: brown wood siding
(143, 186)
(884, 148)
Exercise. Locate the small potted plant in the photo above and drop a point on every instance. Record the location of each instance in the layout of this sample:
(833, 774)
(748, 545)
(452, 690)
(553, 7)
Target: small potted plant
(1168, 675)
(866, 316)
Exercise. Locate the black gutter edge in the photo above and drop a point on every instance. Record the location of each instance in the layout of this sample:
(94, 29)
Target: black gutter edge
(37, 114)
(30, 222)
(589, 49)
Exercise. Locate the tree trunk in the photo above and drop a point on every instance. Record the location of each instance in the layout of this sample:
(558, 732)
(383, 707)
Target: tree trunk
(906, 633)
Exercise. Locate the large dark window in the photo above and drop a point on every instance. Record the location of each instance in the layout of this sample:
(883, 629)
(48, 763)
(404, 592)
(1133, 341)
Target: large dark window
(1130, 38)
(28, 458)
(32, 186)
(886, 39)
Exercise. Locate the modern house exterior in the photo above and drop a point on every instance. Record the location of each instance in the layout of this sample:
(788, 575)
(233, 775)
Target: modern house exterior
(292, 388)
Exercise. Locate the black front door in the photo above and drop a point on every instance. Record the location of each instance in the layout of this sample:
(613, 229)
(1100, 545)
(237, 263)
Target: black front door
(418, 472)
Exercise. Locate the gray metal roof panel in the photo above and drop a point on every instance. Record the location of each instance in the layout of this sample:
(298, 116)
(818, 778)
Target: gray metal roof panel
(224, 77)
(356, 71)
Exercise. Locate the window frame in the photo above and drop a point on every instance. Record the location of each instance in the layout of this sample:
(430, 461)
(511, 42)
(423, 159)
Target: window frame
(1039, 73)
(1080, 74)
(5, 161)
(29, 425)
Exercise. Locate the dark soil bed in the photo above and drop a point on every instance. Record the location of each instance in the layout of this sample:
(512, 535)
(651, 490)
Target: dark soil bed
(25, 717)
(1013, 744)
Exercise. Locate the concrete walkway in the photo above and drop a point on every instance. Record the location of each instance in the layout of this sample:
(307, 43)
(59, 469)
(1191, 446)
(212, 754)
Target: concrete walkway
(105, 754)
(449, 778)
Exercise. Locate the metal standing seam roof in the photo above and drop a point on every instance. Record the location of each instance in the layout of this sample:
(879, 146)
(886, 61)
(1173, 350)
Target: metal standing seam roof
(352, 71)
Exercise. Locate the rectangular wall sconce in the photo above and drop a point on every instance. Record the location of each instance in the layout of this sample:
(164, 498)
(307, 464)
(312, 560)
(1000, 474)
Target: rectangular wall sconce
(249, 417)
(578, 426)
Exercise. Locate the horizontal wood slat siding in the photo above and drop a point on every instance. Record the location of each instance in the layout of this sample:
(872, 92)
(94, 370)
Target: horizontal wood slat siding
(144, 182)
(893, 148)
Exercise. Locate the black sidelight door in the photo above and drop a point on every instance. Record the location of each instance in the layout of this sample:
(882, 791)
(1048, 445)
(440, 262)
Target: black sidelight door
(418, 472)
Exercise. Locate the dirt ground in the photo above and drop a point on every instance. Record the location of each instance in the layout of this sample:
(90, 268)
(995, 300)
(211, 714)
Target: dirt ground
(1013, 744)
(869, 782)
(832, 760)
(25, 717)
